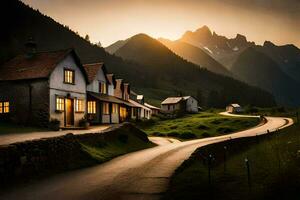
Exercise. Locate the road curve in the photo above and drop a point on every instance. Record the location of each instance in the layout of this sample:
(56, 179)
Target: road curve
(140, 175)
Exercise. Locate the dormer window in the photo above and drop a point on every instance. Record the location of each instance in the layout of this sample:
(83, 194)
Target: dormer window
(102, 88)
(69, 76)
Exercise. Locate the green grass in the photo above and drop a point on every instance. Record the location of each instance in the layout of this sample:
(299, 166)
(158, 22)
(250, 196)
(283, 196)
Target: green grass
(274, 169)
(204, 124)
(8, 128)
(125, 144)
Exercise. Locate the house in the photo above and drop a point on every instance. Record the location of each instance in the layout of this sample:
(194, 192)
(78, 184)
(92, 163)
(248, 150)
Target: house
(234, 108)
(172, 104)
(36, 87)
(107, 98)
(191, 104)
(154, 110)
(140, 111)
(185, 104)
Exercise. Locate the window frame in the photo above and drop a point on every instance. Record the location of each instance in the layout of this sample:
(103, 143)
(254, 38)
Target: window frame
(91, 110)
(73, 76)
(4, 109)
(105, 108)
(100, 87)
(62, 104)
(115, 108)
(77, 110)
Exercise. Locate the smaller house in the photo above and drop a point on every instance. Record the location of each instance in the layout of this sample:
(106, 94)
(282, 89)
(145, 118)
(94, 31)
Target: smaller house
(185, 104)
(140, 111)
(234, 108)
(154, 110)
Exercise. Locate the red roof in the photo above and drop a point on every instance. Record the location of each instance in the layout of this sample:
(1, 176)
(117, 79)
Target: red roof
(92, 70)
(40, 65)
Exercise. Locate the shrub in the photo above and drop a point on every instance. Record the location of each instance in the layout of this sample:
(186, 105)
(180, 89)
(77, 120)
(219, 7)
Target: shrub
(187, 135)
(54, 124)
(225, 130)
(202, 127)
(173, 127)
(205, 134)
(157, 134)
(84, 123)
(173, 134)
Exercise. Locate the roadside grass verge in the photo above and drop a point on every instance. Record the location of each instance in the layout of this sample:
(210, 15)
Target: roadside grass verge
(274, 161)
(8, 128)
(204, 124)
(125, 143)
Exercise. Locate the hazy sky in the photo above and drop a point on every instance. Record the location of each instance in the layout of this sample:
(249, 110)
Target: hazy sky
(110, 20)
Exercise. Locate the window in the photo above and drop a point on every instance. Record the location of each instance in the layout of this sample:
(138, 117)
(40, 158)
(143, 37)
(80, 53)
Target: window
(105, 108)
(79, 105)
(69, 76)
(4, 107)
(91, 107)
(60, 104)
(115, 108)
(102, 88)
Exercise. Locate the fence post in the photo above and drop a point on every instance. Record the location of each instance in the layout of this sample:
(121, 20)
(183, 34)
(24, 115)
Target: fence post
(248, 172)
(225, 151)
(209, 168)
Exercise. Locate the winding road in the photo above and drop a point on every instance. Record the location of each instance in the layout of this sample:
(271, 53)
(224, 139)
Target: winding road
(140, 175)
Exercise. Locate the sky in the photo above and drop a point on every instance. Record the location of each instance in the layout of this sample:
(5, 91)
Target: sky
(110, 20)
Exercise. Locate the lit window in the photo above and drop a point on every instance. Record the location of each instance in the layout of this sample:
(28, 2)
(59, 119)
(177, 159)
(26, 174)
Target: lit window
(69, 76)
(79, 105)
(60, 104)
(102, 88)
(105, 108)
(91, 107)
(4, 107)
(115, 108)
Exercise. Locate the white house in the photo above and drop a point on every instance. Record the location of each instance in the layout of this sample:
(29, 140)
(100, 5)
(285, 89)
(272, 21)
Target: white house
(191, 104)
(107, 97)
(40, 86)
(186, 104)
(234, 108)
(141, 111)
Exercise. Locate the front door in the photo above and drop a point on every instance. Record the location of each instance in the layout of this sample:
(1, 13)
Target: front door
(69, 117)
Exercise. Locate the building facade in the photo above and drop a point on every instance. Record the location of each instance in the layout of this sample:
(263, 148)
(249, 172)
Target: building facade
(39, 87)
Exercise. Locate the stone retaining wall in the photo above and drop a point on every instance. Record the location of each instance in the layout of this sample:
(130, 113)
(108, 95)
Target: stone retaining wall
(40, 157)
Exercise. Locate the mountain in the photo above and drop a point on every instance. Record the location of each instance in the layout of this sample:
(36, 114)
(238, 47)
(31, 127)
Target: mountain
(195, 55)
(152, 69)
(222, 49)
(260, 70)
(115, 46)
(167, 70)
(287, 57)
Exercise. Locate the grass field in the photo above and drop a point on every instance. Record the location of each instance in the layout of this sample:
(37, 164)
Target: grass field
(204, 124)
(274, 162)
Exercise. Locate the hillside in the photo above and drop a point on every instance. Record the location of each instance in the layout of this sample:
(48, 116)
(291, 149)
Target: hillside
(287, 57)
(195, 55)
(115, 46)
(167, 70)
(258, 69)
(163, 74)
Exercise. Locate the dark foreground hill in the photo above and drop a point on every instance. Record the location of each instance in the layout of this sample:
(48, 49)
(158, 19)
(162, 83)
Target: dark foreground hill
(162, 74)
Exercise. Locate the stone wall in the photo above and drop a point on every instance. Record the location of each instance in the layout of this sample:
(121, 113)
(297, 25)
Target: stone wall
(38, 158)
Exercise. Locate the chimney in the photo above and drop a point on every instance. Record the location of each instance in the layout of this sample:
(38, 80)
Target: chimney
(30, 47)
